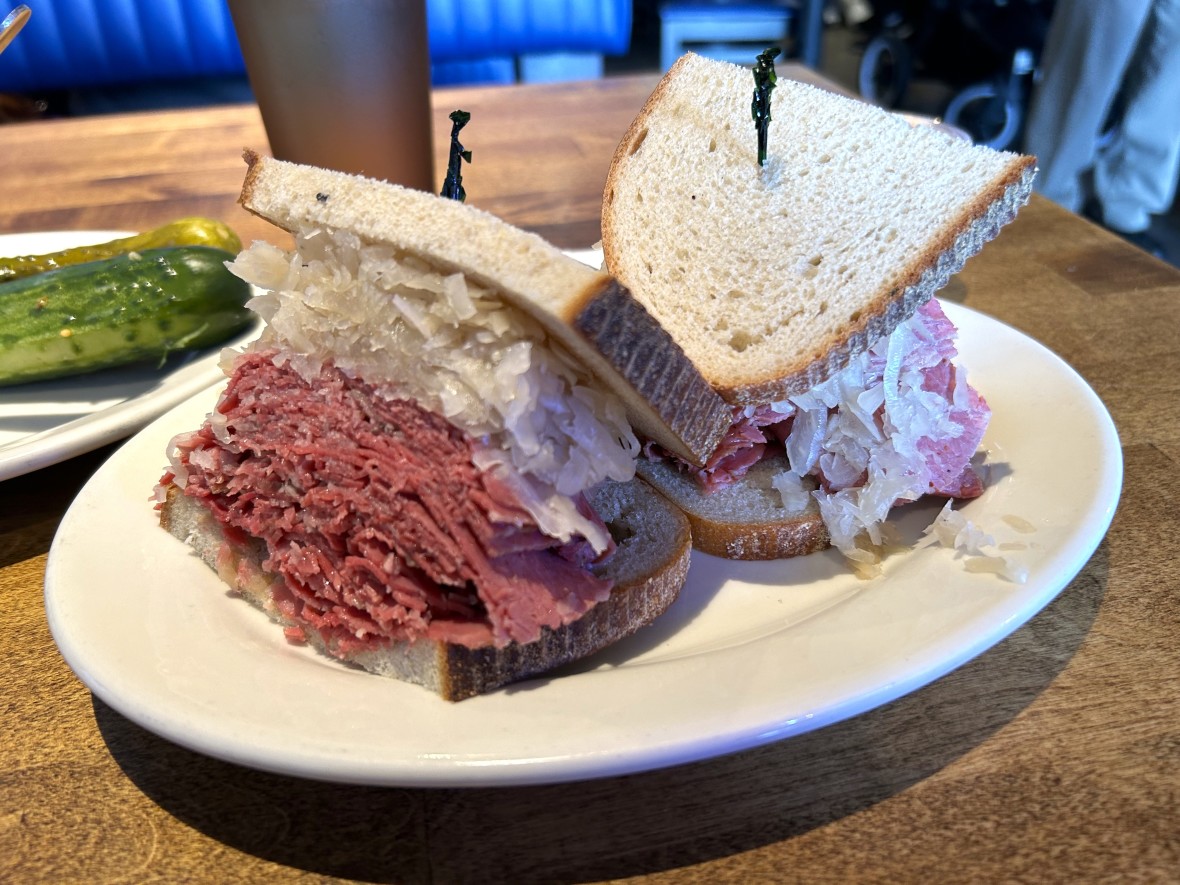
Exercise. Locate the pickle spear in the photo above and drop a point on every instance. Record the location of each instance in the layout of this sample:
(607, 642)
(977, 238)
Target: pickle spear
(185, 232)
(130, 308)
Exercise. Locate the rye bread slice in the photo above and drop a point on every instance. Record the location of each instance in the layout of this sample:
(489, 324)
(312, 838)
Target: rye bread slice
(772, 278)
(743, 521)
(648, 568)
(585, 309)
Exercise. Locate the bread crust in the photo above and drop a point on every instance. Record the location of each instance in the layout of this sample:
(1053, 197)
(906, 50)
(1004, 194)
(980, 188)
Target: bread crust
(749, 528)
(630, 339)
(904, 288)
(760, 540)
(649, 569)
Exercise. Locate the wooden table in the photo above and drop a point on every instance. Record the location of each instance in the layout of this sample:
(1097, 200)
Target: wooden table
(1054, 757)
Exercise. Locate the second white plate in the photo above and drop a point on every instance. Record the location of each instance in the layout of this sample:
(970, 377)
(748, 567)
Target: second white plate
(46, 422)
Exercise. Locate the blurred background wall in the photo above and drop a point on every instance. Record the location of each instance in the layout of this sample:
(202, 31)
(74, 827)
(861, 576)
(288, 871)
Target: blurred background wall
(972, 63)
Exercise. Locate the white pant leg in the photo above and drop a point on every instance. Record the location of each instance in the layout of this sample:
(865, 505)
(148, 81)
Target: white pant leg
(1135, 174)
(1086, 52)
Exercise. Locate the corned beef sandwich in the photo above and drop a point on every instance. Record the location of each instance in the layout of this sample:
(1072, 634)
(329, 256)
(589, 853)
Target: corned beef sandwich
(802, 288)
(425, 465)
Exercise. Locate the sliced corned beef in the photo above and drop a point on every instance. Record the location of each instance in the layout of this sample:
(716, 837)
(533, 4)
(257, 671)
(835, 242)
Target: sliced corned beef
(375, 516)
(929, 351)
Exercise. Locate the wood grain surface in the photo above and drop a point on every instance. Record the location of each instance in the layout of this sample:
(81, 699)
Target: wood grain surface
(1053, 757)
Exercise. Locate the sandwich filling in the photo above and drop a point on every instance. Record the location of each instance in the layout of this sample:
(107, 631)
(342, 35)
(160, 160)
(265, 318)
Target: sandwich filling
(899, 422)
(411, 451)
(414, 331)
(374, 515)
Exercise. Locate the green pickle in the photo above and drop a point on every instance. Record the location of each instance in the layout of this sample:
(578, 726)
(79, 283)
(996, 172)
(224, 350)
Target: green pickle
(185, 232)
(134, 307)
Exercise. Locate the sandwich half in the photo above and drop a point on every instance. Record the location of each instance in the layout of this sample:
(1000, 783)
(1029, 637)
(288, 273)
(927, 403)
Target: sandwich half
(802, 289)
(425, 467)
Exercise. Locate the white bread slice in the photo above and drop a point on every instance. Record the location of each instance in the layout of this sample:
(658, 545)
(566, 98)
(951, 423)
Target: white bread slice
(666, 398)
(772, 278)
(743, 521)
(649, 568)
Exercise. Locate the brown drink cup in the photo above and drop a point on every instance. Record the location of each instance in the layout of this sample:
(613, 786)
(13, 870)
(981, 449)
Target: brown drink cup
(342, 84)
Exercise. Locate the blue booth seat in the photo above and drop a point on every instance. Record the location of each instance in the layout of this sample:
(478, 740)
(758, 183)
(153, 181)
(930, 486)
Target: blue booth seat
(81, 44)
(505, 40)
(152, 51)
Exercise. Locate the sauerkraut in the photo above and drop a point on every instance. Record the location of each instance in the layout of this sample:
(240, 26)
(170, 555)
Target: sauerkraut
(899, 422)
(952, 529)
(456, 348)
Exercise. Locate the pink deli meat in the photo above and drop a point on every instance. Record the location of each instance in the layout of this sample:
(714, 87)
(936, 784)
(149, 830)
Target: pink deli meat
(375, 517)
(947, 456)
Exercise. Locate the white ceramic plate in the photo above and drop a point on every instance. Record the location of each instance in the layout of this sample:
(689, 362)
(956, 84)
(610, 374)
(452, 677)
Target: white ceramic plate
(750, 653)
(47, 422)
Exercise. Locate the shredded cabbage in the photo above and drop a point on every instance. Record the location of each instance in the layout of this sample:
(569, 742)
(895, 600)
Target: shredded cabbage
(952, 529)
(456, 348)
(860, 430)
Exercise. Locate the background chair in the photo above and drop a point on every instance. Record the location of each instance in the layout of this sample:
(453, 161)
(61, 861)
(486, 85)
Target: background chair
(528, 40)
(729, 31)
